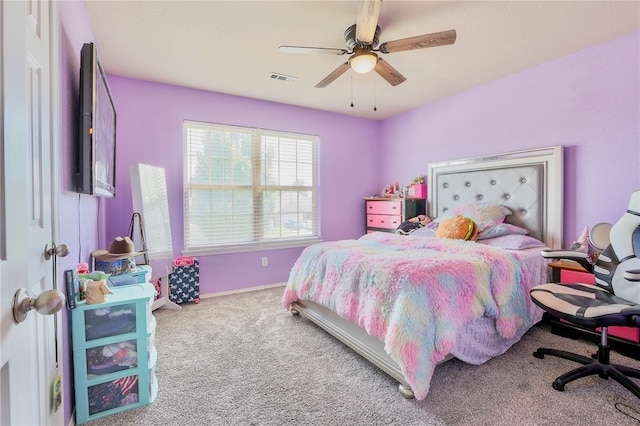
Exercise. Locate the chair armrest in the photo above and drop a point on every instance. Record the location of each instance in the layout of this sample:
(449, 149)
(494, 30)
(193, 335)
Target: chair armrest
(579, 257)
(632, 275)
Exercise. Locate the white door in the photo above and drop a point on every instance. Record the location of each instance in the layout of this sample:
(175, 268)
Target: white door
(30, 350)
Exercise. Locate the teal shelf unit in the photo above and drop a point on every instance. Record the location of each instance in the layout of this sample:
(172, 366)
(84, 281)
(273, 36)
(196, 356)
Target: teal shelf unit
(113, 353)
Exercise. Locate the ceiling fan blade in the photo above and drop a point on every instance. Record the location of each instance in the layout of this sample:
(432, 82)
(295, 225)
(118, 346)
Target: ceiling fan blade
(419, 42)
(367, 20)
(304, 49)
(389, 73)
(334, 74)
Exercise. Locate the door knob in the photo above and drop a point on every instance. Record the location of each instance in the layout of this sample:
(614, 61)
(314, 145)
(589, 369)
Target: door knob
(62, 250)
(47, 303)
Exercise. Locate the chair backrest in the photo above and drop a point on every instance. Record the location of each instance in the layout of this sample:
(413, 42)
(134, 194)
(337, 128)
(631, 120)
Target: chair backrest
(622, 254)
(605, 268)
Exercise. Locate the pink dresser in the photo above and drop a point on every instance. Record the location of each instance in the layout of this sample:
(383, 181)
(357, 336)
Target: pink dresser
(386, 214)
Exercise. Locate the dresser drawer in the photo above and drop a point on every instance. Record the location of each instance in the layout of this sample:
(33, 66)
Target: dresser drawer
(384, 207)
(383, 221)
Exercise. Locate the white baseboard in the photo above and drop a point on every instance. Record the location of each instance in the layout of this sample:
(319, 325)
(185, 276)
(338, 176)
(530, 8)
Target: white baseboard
(244, 290)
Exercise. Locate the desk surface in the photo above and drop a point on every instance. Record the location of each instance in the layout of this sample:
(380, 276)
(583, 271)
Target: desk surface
(568, 265)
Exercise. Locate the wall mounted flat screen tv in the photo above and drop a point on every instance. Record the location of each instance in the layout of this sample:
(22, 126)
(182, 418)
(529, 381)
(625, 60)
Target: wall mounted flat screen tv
(96, 165)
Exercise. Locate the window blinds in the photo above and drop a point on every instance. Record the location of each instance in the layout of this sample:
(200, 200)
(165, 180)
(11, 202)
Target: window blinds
(248, 187)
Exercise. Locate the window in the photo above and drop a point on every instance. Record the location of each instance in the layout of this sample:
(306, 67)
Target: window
(248, 189)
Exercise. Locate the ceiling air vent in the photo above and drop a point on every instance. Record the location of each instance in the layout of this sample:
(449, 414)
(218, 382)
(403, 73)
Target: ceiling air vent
(282, 77)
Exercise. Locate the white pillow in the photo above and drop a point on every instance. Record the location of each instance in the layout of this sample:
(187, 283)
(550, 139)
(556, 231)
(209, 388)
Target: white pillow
(513, 242)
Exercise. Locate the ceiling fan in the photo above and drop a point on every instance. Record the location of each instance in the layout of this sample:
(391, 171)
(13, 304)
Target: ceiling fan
(362, 44)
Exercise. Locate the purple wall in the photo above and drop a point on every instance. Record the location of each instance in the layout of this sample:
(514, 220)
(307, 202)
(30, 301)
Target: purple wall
(589, 102)
(80, 216)
(150, 118)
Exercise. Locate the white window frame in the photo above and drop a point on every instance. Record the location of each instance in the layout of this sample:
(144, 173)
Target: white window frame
(283, 235)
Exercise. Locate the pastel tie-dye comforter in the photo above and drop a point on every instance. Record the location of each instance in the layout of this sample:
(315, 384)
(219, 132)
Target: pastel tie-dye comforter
(413, 293)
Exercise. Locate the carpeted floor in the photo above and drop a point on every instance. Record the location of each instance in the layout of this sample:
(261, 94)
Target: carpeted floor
(243, 360)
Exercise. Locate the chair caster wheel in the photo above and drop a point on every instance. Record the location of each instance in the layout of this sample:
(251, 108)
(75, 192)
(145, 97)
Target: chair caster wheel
(558, 386)
(538, 355)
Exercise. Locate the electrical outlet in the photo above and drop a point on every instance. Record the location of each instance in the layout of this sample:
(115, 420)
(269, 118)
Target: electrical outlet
(265, 261)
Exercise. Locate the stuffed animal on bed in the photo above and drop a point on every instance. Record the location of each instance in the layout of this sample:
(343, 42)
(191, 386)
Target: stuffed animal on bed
(458, 228)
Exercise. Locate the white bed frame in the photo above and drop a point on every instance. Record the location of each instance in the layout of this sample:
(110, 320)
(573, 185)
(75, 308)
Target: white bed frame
(528, 182)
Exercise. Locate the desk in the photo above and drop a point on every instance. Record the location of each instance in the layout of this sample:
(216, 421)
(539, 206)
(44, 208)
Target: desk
(625, 340)
(568, 265)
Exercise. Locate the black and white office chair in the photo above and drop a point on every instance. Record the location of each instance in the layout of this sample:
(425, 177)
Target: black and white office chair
(613, 301)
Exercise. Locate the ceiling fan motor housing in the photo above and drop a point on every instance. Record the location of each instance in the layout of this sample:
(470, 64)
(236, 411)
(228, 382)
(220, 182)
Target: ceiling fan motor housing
(353, 44)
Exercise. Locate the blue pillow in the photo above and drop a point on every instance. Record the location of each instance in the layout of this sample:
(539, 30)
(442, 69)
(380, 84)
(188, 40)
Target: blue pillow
(501, 229)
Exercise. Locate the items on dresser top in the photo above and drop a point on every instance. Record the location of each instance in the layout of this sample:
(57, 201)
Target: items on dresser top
(119, 259)
(120, 248)
(141, 274)
(78, 284)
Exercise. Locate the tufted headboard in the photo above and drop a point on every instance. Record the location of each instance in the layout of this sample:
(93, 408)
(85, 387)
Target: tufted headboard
(529, 183)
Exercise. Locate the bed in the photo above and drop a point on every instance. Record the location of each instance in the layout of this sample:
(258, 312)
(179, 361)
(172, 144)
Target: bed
(407, 303)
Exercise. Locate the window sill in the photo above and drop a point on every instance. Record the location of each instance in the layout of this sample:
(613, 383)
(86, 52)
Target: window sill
(250, 247)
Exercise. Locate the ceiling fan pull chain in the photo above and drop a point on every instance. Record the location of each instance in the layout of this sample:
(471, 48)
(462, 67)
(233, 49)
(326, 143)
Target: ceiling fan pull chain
(375, 96)
(352, 90)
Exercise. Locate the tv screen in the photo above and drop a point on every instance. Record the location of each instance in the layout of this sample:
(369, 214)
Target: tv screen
(96, 167)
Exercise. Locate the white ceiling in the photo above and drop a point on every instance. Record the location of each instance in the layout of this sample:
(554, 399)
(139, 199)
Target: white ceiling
(232, 46)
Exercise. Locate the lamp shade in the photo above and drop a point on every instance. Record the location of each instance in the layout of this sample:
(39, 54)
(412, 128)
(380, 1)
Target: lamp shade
(363, 62)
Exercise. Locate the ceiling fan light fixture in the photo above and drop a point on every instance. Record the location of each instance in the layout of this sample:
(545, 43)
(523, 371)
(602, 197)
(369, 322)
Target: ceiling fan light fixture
(363, 62)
